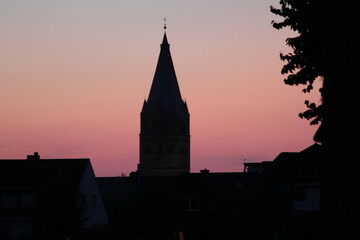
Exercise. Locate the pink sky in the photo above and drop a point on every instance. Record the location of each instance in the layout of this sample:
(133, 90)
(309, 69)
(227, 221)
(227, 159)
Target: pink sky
(74, 75)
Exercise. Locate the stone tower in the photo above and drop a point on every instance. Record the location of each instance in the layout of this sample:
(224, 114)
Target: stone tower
(165, 123)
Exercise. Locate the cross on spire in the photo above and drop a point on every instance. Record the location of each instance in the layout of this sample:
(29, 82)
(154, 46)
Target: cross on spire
(165, 23)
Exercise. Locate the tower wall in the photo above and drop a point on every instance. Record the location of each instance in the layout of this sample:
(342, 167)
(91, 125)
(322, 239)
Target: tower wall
(164, 155)
(164, 143)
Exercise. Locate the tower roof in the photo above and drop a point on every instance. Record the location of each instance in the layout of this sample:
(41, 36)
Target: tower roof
(165, 92)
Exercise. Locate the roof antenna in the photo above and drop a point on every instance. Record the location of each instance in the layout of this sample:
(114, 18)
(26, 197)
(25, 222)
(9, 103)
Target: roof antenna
(165, 24)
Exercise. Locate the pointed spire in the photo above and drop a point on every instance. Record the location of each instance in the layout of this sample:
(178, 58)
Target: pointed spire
(165, 92)
(165, 41)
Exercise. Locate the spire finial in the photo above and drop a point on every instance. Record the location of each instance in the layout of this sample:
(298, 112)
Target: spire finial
(165, 23)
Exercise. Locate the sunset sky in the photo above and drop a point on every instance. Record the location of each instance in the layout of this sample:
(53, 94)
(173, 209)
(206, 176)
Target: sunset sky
(74, 75)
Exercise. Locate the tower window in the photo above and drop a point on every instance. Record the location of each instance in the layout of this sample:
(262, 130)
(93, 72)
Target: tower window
(183, 128)
(159, 150)
(147, 150)
(181, 150)
(169, 150)
(186, 150)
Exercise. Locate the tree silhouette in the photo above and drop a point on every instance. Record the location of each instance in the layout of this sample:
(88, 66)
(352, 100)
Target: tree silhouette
(305, 64)
(328, 47)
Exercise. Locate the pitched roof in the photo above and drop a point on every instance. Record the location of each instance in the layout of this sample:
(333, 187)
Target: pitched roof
(305, 165)
(165, 93)
(44, 173)
(116, 187)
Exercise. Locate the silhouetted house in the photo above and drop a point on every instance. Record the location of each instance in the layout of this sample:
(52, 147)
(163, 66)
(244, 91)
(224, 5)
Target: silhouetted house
(155, 207)
(257, 167)
(280, 201)
(165, 123)
(48, 197)
(297, 176)
(293, 189)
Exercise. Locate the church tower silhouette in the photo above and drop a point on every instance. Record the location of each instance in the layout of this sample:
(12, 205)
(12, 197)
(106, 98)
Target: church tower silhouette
(165, 123)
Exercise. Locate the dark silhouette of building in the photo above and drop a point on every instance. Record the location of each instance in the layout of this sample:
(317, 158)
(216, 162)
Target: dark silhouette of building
(47, 198)
(165, 124)
(278, 200)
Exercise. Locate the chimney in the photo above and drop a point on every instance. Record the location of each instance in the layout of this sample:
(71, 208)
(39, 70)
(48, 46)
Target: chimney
(36, 156)
(204, 171)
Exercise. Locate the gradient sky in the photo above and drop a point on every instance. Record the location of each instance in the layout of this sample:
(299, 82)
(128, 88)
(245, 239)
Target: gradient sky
(74, 75)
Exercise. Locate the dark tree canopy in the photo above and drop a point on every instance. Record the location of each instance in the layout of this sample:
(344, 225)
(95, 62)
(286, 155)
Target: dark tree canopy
(328, 47)
(305, 64)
